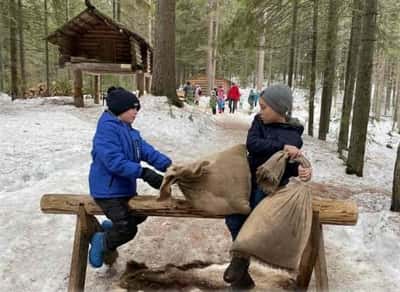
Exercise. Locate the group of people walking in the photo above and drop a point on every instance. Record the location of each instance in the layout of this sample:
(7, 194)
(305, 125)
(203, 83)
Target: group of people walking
(218, 99)
(192, 93)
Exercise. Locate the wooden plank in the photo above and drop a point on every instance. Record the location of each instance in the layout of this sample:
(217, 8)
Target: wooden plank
(104, 67)
(321, 272)
(309, 257)
(86, 225)
(337, 212)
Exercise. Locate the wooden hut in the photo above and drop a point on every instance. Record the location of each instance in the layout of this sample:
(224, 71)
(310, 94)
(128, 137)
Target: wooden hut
(93, 43)
(203, 82)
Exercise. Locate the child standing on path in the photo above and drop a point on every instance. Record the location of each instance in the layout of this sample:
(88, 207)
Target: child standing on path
(213, 101)
(221, 99)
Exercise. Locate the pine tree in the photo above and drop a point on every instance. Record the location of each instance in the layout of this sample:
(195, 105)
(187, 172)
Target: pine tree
(164, 52)
(355, 162)
(351, 73)
(330, 69)
(13, 49)
(395, 206)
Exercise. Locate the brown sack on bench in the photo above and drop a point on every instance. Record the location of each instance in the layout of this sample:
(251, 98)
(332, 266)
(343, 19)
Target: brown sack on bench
(218, 184)
(277, 230)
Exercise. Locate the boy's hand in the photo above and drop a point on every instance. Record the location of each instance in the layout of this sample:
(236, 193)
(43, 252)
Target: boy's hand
(305, 173)
(152, 178)
(293, 151)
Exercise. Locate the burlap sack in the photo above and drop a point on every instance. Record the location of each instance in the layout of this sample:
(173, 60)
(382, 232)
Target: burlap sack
(270, 173)
(277, 230)
(218, 184)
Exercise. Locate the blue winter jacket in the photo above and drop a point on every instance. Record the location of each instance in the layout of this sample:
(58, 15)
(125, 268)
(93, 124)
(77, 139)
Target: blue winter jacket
(117, 152)
(264, 140)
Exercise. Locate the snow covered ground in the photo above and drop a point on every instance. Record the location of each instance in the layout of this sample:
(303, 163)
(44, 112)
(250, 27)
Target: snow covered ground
(45, 146)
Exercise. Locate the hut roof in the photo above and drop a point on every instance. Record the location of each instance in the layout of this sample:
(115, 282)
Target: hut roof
(86, 21)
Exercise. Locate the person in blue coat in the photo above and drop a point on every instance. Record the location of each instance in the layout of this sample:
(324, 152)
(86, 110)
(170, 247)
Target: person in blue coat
(117, 152)
(272, 130)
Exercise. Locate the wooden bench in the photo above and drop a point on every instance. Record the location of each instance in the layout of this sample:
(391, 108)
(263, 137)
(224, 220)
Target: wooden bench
(326, 211)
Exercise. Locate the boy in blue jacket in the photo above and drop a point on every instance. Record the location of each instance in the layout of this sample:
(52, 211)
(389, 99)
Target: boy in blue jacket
(117, 152)
(272, 130)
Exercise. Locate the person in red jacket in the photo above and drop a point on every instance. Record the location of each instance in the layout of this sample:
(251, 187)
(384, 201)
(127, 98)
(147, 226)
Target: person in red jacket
(233, 97)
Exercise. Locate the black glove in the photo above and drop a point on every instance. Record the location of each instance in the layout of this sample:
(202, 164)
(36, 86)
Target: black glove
(152, 178)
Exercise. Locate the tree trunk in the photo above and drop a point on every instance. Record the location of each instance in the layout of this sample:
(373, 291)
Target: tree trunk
(379, 88)
(297, 61)
(13, 50)
(270, 76)
(66, 10)
(330, 69)
(389, 85)
(351, 73)
(21, 48)
(46, 33)
(163, 83)
(285, 67)
(396, 184)
(398, 112)
(215, 43)
(355, 162)
(313, 69)
(260, 61)
(293, 42)
(212, 44)
(118, 10)
(114, 9)
(396, 97)
(2, 76)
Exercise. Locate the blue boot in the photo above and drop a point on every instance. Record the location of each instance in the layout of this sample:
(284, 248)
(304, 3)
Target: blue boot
(96, 252)
(107, 225)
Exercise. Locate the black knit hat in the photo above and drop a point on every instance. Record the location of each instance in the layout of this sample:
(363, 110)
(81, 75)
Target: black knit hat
(120, 100)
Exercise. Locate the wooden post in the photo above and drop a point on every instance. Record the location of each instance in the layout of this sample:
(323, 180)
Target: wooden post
(148, 83)
(78, 96)
(140, 82)
(97, 89)
(86, 225)
(321, 273)
(309, 257)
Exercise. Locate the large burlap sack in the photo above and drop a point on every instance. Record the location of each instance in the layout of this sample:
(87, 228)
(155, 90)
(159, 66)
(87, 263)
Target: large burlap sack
(277, 230)
(218, 184)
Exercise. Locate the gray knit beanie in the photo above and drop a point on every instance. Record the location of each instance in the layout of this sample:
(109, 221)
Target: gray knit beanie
(279, 98)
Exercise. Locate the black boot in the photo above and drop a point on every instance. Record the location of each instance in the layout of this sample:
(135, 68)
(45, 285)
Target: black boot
(110, 257)
(236, 269)
(245, 283)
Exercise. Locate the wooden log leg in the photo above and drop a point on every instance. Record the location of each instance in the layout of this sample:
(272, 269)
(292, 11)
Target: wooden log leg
(309, 257)
(321, 274)
(147, 84)
(97, 89)
(78, 96)
(86, 225)
(140, 82)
